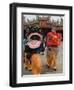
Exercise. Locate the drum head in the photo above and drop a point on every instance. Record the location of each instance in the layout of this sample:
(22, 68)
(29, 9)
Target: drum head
(35, 40)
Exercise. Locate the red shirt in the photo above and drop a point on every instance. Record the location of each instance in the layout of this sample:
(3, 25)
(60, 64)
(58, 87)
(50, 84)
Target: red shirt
(53, 39)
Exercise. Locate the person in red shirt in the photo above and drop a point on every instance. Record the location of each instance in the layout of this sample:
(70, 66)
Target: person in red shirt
(53, 40)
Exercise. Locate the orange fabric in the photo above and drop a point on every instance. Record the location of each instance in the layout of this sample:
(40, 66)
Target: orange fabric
(52, 59)
(36, 64)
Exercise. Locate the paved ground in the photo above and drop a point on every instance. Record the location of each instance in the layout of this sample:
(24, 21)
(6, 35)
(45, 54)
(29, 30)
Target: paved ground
(45, 69)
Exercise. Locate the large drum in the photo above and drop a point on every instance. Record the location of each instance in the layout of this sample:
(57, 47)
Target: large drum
(35, 43)
(35, 40)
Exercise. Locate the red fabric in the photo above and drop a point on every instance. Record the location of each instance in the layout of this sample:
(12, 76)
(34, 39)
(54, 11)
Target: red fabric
(53, 38)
